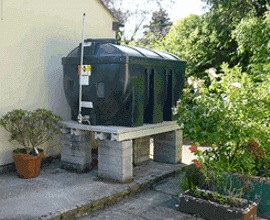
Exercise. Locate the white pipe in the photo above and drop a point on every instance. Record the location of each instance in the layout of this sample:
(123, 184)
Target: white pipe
(80, 92)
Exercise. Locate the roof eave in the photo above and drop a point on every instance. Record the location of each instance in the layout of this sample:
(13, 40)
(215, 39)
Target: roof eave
(108, 10)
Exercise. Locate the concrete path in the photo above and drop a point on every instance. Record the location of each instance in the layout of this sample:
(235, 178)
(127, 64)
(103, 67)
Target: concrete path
(57, 194)
(158, 203)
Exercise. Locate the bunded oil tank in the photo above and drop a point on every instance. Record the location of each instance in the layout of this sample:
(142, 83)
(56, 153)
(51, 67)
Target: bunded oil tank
(127, 86)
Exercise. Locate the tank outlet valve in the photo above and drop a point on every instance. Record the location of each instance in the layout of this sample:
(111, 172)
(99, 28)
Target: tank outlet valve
(80, 118)
(86, 117)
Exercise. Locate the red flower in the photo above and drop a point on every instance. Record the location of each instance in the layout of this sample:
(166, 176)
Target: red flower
(249, 148)
(253, 143)
(261, 155)
(198, 164)
(193, 148)
(255, 150)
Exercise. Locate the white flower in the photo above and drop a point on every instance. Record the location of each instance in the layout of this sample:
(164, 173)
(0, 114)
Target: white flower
(189, 81)
(200, 82)
(212, 72)
(238, 85)
(174, 111)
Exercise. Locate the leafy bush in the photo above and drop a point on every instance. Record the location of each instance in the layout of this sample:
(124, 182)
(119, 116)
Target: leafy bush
(31, 128)
(232, 111)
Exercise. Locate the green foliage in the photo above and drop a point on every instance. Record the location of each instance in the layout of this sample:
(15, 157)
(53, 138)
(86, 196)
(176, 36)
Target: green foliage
(229, 111)
(232, 111)
(192, 178)
(31, 128)
(188, 40)
(254, 44)
(157, 29)
(234, 8)
(234, 32)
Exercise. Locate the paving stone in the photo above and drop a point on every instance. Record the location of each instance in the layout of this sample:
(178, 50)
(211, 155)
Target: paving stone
(170, 185)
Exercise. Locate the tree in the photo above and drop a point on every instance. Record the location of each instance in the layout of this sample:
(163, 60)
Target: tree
(157, 29)
(213, 38)
(252, 36)
(240, 7)
(135, 16)
(190, 40)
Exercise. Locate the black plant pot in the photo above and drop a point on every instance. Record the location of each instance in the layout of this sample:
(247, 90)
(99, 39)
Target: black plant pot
(213, 210)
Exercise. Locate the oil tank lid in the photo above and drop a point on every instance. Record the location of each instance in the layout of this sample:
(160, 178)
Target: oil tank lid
(102, 41)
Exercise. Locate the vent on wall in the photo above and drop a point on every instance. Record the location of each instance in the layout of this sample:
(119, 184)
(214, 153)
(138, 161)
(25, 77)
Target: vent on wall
(115, 26)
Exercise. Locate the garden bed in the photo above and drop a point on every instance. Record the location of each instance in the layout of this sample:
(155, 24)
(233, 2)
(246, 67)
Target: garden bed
(258, 192)
(208, 205)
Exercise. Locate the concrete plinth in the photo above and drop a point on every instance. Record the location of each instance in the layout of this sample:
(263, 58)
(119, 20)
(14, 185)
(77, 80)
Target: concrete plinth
(116, 144)
(115, 160)
(141, 150)
(76, 152)
(168, 147)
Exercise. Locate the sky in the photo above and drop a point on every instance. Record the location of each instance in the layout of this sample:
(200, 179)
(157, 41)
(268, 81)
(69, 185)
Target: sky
(181, 9)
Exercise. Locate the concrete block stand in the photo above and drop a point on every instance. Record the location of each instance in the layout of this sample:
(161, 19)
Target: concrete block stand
(141, 150)
(76, 152)
(115, 160)
(117, 146)
(168, 147)
(76, 157)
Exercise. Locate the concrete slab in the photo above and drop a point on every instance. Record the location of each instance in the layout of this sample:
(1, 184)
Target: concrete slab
(170, 185)
(120, 133)
(57, 193)
(147, 206)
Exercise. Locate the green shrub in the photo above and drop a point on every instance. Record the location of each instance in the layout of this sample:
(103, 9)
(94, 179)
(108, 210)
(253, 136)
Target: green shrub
(31, 128)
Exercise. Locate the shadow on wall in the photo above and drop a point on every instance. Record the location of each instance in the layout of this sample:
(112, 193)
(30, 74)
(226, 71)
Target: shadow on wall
(54, 50)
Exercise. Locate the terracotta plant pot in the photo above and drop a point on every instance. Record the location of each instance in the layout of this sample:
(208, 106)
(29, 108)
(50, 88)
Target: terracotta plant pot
(28, 165)
(214, 210)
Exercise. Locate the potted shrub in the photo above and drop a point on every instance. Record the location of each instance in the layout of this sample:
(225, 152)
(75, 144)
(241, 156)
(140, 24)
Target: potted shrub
(30, 129)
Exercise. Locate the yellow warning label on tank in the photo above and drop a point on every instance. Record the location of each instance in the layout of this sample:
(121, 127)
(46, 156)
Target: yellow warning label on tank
(86, 70)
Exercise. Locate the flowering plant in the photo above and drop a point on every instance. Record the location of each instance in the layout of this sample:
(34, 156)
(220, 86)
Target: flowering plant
(231, 111)
(202, 176)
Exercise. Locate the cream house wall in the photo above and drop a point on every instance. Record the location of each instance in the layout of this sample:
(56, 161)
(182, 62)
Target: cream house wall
(35, 35)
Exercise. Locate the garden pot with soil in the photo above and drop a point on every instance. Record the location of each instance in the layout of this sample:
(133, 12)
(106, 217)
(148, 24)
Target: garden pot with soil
(209, 205)
(30, 129)
(27, 165)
